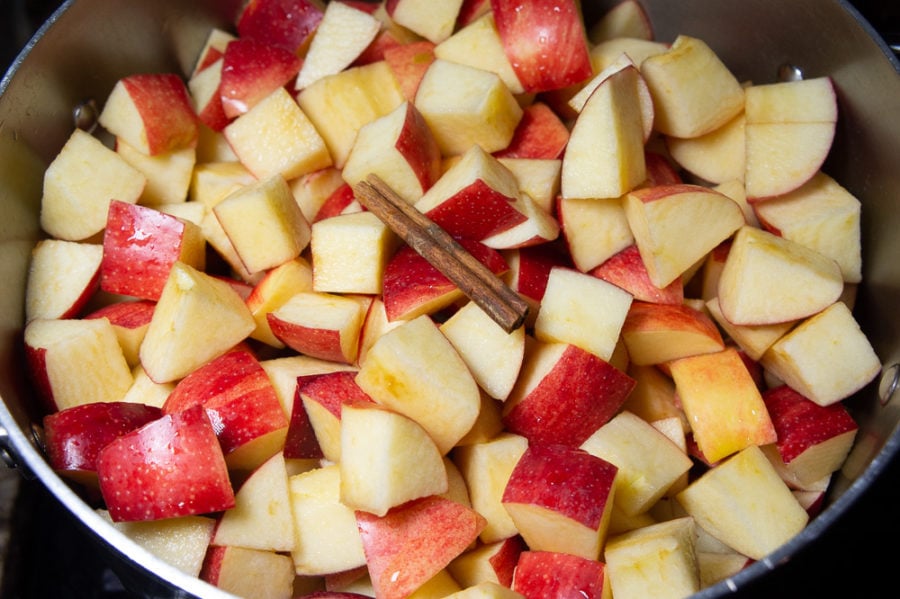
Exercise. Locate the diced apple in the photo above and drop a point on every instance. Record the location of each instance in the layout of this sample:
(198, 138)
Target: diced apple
(605, 154)
(251, 70)
(478, 45)
(322, 325)
(538, 178)
(605, 52)
(722, 403)
(489, 562)
(320, 398)
(340, 37)
(563, 394)
(277, 286)
(276, 137)
(328, 539)
(760, 269)
(653, 397)
(168, 174)
(626, 19)
(240, 398)
(813, 440)
(414, 370)
(657, 333)
(554, 574)
(75, 198)
(400, 149)
(568, 315)
(129, 320)
(659, 560)
(73, 437)
(387, 459)
(675, 226)
(172, 466)
(745, 504)
(754, 340)
(198, 318)
(693, 91)
(545, 42)
(466, 106)
(626, 269)
(821, 215)
(62, 278)
(408, 62)
(594, 229)
(74, 362)
(287, 23)
(412, 543)
(140, 245)
(433, 22)
(717, 156)
(826, 357)
(789, 131)
(152, 112)
(244, 572)
(486, 468)
(213, 48)
(648, 462)
(340, 104)
(261, 517)
(559, 498)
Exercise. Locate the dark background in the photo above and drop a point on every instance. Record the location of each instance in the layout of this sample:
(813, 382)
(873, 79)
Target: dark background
(49, 555)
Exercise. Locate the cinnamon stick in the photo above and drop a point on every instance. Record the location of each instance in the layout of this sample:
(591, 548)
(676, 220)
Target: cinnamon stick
(506, 307)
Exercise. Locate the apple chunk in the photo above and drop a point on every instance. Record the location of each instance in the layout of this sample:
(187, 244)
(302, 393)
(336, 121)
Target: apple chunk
(555, 574)
(62, 277)
(560, 499)
(172, 466)
(768, 279)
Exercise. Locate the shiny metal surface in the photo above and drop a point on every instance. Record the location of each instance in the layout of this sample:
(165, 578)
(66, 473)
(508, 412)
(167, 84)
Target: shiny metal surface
(88, 44)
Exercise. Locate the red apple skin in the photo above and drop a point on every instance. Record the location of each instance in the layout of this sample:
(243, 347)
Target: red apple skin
(286, 23)
(545, 42)
(237, 394)
(409, 62)
(591, 390)
(418, 146)
(801, 423)
(409, 279)
(476, 212)
(311, 341)
(74, 437)
(126, 314)
(140, 244)
(411, 543)
(504, 561)
(36, 359)
(470, 10)
(535, 264)
(173, 466)
(540, 134)
(336, 202)
(626, 269)
(562, 478)
(163, 101)
(251, 70)
(332, 390)
(549, 574)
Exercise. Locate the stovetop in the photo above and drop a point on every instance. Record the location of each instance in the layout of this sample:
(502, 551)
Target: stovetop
(45, 553)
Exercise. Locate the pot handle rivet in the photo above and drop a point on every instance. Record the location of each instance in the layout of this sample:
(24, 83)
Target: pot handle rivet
(890, 381)
(790, 72)
(85, 116)
(9, 457)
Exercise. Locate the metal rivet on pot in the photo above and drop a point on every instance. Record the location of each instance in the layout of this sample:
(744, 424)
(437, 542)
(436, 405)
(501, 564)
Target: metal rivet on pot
(789, 72)
(890, 381)
(85, 115)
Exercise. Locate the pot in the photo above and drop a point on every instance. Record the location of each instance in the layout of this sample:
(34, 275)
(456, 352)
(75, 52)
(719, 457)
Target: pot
(73, 61)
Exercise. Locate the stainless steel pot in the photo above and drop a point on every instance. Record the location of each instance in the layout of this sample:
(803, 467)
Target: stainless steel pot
(87, 45)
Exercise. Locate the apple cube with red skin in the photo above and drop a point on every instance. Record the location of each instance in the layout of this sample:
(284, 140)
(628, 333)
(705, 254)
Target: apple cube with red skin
(413, 287)
(152, 112)
(321, 325)
(563, 394)
(540, 134)
(74, 437)
(626, 269)
(75, 361)
(492, 562)
(409, 62)
(277, 286)
(239, 397)
(627, 19)
(245, 572)
(140, 245)
(129, 320)
(251, 70)
(558, 574)
(413, 542)
(62, 278)
(434, 22)
(560, 498)
(75, 200)
(658, 333)
(545, 42)
(813, 440)
(722, 402)
(593, 229)
(286, 23)
(170, 467)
